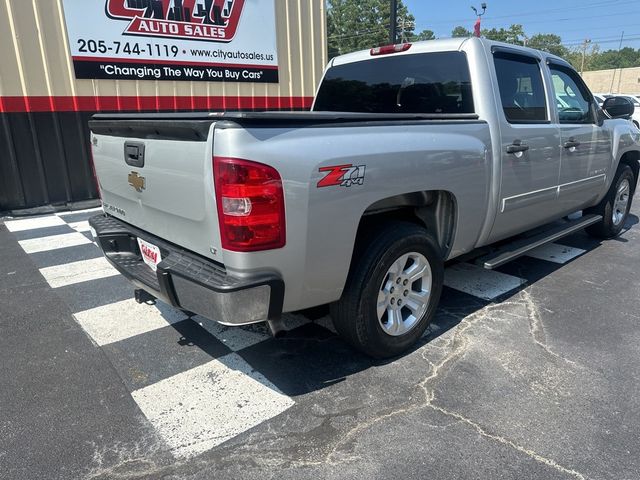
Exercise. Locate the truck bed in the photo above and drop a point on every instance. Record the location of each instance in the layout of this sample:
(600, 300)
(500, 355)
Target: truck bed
(195, 125)
(395, 153)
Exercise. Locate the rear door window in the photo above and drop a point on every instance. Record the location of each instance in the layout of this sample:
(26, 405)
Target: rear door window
(419, 83)
(521, 88)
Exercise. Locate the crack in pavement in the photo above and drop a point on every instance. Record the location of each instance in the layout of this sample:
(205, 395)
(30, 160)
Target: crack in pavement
(459, 343)
(333, 453)
(536, 327)
(125, 461)
(505, 441)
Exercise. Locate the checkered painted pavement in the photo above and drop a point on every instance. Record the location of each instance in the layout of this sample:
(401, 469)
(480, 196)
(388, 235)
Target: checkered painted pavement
(197, 382)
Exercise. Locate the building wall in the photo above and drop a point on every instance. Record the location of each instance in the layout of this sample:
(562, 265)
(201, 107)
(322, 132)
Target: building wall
(619, 80)
(44, 147)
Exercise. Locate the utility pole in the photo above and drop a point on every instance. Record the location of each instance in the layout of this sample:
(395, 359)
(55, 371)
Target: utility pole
(586, 42)
(613, 77)
(393, 22)
(404, 26)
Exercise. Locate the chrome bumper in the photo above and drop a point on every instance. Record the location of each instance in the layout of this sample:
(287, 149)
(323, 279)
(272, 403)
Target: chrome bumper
(189, 281)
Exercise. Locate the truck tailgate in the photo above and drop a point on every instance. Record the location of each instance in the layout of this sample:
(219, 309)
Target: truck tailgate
(157, 175)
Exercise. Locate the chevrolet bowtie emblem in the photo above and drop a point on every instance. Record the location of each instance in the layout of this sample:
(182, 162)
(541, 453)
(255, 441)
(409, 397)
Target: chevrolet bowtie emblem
(136, 181)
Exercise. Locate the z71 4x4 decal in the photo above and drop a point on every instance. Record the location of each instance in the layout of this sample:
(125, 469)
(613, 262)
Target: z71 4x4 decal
(342, 175)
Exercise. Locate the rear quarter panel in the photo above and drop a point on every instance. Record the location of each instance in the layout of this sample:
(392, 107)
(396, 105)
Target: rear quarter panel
(322, 222)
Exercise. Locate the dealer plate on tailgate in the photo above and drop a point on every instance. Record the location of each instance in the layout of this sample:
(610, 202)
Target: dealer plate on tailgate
(150, 254)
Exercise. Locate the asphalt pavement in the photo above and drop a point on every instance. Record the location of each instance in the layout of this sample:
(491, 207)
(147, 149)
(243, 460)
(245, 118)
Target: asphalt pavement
(531, 371)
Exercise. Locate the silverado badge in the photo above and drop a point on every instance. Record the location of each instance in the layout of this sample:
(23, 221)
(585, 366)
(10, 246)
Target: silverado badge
(137, 182)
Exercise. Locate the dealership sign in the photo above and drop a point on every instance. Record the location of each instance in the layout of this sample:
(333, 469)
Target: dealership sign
(207, 40)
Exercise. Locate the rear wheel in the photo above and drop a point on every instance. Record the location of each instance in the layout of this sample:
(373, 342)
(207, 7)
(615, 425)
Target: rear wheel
(392, 291)
(615, 206)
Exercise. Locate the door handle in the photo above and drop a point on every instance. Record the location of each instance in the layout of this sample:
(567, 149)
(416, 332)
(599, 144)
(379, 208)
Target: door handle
(134, 154)
(517, 147)
(571, 143)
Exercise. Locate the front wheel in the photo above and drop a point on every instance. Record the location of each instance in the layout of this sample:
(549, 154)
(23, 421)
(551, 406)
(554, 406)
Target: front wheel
(615, 206)
(392, 291)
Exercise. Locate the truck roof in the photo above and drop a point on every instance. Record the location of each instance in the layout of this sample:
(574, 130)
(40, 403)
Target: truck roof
(440, 45)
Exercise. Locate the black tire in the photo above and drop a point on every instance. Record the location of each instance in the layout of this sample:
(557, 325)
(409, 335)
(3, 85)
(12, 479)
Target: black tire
(607, 228)
(355, 314)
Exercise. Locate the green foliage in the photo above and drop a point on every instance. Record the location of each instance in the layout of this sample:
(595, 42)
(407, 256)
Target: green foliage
(623, 58)
(594, 59)
(360, 24)
(514, 34)
(423, 35)
(460, 31)
(548, 42)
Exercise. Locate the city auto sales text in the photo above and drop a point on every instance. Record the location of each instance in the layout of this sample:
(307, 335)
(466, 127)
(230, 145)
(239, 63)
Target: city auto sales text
(164, 28)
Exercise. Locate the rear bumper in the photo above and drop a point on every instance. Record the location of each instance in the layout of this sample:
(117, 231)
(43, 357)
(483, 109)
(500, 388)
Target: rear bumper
(189, 281)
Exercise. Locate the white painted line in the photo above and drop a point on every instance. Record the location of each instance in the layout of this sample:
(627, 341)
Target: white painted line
(205, 406)
(121, 320)
(554, 252)
(479, 282)
(33, 223)
(53, 242)
(235, 338)
(80, 226)
(73, 212)
(76, 272)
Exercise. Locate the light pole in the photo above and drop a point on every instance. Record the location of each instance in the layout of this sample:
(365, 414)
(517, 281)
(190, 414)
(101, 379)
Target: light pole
(476, 26)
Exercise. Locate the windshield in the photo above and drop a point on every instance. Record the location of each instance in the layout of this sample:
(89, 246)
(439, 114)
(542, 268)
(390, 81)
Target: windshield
(420, 83)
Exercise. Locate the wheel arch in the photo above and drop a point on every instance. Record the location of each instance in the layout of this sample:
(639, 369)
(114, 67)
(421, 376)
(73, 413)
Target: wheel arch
(632, 159)
(436, 210)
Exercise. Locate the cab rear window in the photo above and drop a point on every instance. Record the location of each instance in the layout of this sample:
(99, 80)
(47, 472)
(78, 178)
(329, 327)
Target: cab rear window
(418, 83)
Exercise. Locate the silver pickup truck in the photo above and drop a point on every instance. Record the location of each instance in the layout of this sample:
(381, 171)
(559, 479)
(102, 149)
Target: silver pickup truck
(413, 155)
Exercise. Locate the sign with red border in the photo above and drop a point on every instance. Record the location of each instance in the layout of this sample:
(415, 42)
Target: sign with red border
(188, 40)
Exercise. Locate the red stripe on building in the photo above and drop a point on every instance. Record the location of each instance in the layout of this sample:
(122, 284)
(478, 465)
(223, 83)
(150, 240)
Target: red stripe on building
(147, 103)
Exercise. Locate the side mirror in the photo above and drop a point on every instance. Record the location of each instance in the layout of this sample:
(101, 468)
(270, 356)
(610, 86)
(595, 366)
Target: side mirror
(618, 107)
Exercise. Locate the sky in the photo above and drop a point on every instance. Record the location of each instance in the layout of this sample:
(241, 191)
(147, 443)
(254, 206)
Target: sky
(574, 20)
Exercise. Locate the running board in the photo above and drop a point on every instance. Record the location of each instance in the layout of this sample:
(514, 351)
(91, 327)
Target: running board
(520, 247)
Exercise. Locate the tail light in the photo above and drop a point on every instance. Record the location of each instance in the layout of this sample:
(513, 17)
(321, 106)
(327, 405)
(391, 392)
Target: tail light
(250, 202)
(387, 49)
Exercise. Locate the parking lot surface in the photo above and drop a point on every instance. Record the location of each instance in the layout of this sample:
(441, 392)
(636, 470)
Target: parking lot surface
(530, 371)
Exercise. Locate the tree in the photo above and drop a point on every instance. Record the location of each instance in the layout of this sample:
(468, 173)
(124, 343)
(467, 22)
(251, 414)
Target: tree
(548, 42)
(623, 58)
(423, 35)
(359, 24)
(460, 31)
(514, 34)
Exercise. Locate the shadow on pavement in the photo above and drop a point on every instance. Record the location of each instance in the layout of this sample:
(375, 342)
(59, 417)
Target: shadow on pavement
(311, 357)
